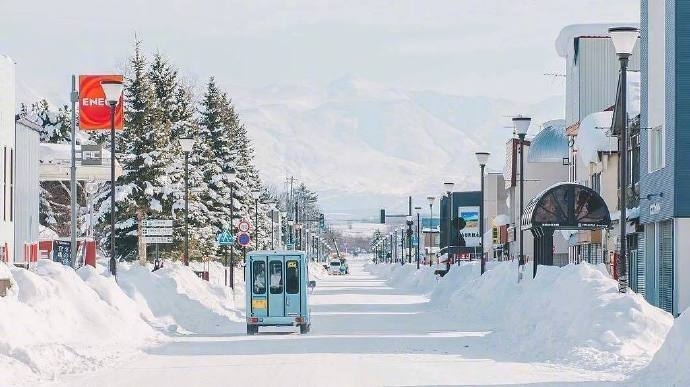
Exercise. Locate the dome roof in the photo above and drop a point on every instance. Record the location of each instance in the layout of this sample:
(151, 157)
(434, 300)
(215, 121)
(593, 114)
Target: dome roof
(550, 144)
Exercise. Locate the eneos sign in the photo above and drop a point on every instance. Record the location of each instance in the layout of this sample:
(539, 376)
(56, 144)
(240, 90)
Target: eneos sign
(94, 112)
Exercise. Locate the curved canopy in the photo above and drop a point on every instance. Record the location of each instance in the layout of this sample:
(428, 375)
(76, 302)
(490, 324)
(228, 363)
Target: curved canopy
(567, 206)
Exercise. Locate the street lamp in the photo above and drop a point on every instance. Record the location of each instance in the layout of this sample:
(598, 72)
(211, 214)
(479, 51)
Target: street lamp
(187, 144)
(255, 195)
(448, 186)
(624, 39)
(430, 199)
(418, 209)
(402, 245)
(290, 224)
(283, 218)
(482, 158)
(113, 94)
(409, 222)
(521, 124)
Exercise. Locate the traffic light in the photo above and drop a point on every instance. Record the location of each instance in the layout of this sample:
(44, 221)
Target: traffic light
(322, 221)
(383, 217)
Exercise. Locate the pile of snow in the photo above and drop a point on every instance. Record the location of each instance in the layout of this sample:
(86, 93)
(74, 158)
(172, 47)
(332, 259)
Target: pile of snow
(670, 364)
(317, 271)
(574, 314)
(178, 301)
(53, 322)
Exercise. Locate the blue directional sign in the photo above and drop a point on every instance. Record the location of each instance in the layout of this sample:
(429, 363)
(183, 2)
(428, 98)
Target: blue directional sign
(225, 238)
(415, 241)
(243, 239)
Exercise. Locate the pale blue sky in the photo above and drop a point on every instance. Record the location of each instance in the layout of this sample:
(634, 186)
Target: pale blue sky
(488, 47)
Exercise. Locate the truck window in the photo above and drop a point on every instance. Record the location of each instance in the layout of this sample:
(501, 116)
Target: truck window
(259, 274)
(276, 273)
(292, 277)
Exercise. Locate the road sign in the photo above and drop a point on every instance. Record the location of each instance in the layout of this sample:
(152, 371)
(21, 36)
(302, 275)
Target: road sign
(225, 238)
(244, 226)
(158, 239)
(243, 239)
(164, 231)
(157, 223)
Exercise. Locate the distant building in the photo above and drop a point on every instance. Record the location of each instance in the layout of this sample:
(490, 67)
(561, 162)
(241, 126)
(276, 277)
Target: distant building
(543, 167)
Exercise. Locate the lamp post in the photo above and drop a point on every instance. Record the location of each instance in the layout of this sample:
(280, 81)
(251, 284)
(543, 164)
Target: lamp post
(187, 144)
(290, 224)
(624, 39)
(255, 195)
(231, 179)
(448, 186)
(521, 124)
(113, 94)
(402, 245)
(431, 199)
(482, 158)
(418, 209)
(409, 223)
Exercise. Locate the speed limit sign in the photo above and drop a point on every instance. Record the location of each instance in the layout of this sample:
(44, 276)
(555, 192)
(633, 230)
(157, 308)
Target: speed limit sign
(243, 226)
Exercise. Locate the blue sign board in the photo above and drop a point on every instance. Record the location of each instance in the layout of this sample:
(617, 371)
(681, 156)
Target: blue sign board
(430, 223)
(225, 238)
(243, 239)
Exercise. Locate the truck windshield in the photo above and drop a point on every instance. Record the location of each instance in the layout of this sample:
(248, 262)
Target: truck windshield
(335, 263)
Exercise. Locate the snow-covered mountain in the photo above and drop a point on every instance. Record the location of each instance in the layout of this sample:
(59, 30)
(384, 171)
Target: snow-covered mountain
(363, 146)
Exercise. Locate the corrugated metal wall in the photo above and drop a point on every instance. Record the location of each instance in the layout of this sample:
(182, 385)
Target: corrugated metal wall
(598, 75)
(27, 190)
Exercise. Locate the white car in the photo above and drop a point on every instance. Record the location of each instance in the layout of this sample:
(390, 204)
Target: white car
(334, 268)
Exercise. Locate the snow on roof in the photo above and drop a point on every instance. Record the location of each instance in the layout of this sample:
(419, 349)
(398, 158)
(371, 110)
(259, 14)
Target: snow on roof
(550, 144)
(501, 220)
(565, 46)
(592, 139)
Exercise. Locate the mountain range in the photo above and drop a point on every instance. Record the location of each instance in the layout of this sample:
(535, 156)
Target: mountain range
(363, 146)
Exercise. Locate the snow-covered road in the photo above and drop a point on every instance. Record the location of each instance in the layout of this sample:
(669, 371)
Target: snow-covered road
(364, 333)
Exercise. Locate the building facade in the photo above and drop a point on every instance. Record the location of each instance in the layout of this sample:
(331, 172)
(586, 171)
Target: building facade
(27, 191)
(7, 153)
(665, 152)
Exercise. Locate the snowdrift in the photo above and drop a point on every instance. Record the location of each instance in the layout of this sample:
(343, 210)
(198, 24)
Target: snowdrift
(670, 364)
(56, 320)
(53, 322)
(175, 300)
(573, 314)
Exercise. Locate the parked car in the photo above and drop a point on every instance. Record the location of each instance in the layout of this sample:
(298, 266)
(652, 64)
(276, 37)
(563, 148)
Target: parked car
(334, 267)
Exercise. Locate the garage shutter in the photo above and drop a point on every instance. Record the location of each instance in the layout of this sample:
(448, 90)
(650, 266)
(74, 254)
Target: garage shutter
(666, 265)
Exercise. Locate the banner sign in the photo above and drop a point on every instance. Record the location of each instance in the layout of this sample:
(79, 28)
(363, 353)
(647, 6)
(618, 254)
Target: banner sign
(94, 112)
(471, 231)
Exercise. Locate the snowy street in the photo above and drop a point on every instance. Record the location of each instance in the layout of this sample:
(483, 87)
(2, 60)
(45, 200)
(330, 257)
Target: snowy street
(364, 333)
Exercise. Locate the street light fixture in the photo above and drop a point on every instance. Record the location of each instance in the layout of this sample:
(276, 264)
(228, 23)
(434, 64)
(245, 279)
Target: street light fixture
(409, 222)
(418, 210)
(624, 39)
(113, 94)
(187, 144)
(255, 194)
(521, 125)
(482, 158)
(431, 200)
(448, 186)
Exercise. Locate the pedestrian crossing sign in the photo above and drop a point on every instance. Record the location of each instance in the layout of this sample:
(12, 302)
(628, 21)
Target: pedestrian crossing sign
(225, 238)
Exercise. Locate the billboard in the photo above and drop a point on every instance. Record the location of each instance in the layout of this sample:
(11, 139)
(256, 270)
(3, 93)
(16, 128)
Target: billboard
(94, 112)
(471, 231)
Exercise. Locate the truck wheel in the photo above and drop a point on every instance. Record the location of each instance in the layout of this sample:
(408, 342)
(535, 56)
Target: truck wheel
(252, 329)
(303, 329)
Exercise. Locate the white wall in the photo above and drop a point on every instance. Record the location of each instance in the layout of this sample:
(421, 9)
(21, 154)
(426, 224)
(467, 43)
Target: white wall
(7, 108)
(682, 264)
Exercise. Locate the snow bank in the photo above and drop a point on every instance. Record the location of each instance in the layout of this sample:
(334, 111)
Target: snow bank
(572, 314)
(670, 364)
(178, 301)
(53, 322)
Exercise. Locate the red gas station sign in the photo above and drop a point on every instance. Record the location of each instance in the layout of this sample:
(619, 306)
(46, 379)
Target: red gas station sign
(94, 112)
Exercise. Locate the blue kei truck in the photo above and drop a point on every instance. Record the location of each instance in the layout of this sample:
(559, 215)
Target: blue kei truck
(276, 286)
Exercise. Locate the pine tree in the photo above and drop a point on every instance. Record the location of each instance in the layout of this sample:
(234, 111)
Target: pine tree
(140, 190)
